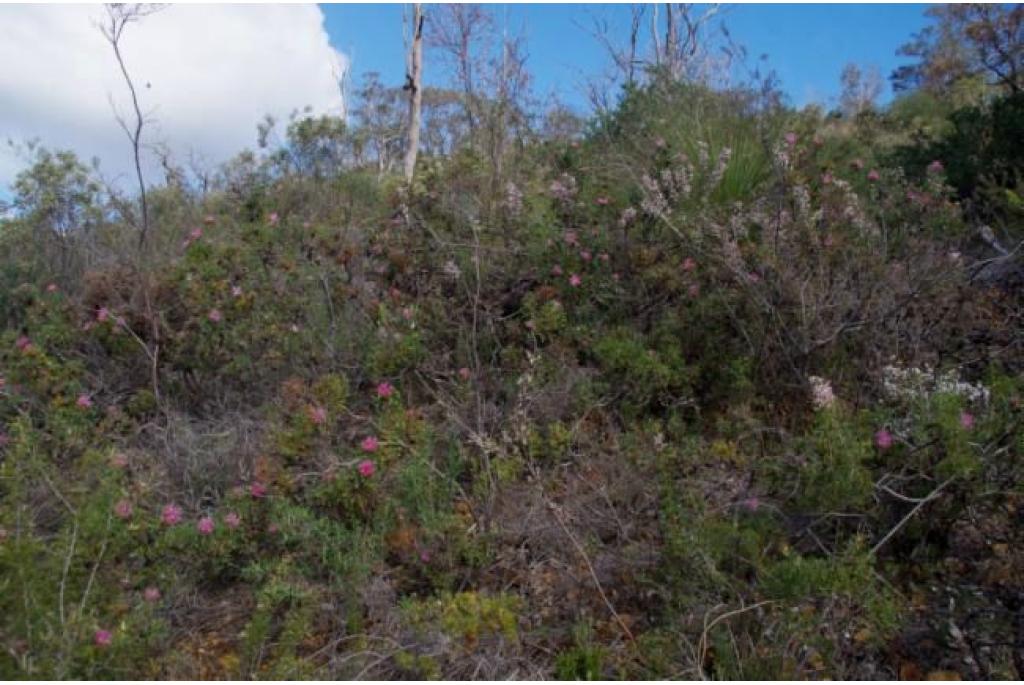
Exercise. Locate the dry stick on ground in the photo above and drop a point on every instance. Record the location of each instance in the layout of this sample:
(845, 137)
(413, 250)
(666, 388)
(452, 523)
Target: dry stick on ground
(702, 647)
(590, 567)
(925, 500)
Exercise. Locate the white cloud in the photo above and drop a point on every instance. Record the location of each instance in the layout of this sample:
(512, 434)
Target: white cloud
(212, 71)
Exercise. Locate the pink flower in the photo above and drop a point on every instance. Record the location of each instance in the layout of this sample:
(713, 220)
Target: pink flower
(205, 526)
(83, 401)
(575, 280)
(103, 314)
(196, 234)
(883, 439)
(754, 277)
(318, 415)
(23, 343)
(873, 175)
(272, 528)
(123, 509)
(367, 468)
(214, 315)
(52, 288)
(826, 178)
(602, 201)
(689, 264)
(571, 238)
(119, 460)
(258, 490)
(790, 139)
(604, 257)
(151, 594)
(232, 520)
(369, 444)
(556, 270)
(966, 420)
(385, 390)
(464, 373)
(751, 504)
(407, 313)
(171, 515)
(616, 277)
(273, 218)
(425, 557)
(585, 255)
(236, 291)
(102, 638)
(935, 167)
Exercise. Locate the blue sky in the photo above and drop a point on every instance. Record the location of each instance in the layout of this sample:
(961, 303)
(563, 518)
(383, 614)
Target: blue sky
(807, 45)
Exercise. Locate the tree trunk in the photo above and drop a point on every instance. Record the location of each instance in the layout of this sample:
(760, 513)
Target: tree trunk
(413, 78)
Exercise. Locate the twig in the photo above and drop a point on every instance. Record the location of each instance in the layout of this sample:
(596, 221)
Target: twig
(935, 493)
(590, 567)
(703, 644)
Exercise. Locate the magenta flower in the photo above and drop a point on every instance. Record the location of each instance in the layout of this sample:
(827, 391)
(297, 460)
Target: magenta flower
(151, 594)
(232, 520)
(602, 201)
(102, 638)
(575, 280)
(464, 373)
(751, 504)
(385, 390)
(556, 270)
(103, 314)
(196, 234)
(370, 444)
(425, 557)
(935, 167)
(83, 401)
(604, 257)
(873, 175)
(966, 420)
(318, 415)
(790, 139)
(367, 468)
(883, 439)
(258, 490)
(123, 509)
(214, 316)
(571, 238)
(171, 515)
(273, 218)
(205, 526)
(23, 343)
(585, 255)
(689, 264)
(826, 178)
